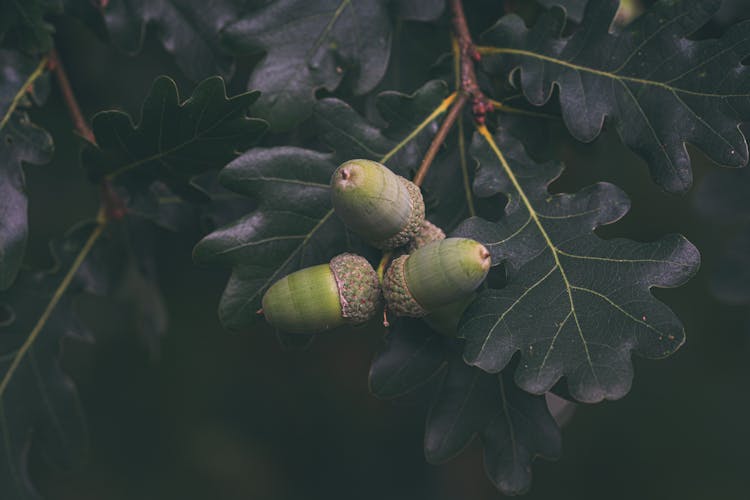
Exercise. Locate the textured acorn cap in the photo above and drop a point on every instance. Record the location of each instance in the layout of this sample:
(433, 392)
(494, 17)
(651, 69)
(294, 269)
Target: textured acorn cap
(383, 208)
(428, 232)
(358, 285)
(435, 275)
(397, 295)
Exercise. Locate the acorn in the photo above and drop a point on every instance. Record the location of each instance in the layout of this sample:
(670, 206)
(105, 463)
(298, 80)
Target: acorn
(435, 275)
(345, 291)
(385, 209)
(445, 319)
(428, 232)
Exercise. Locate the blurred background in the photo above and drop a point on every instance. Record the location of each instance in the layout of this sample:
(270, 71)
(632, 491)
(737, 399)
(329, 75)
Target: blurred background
(234, 416)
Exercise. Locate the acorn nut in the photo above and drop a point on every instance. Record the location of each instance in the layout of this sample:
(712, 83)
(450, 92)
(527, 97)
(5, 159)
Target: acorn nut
(435, 275)
(383, 208)
(428, 232)
(319, 298)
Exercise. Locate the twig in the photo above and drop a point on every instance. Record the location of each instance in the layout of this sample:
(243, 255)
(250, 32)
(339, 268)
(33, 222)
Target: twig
(439, 138)
(480, 104)
(468, 90)
(113, 205)
(59, 292)
(74, 109)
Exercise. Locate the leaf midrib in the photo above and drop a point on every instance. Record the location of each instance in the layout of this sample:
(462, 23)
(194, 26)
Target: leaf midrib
(608, 74)
(553, 249)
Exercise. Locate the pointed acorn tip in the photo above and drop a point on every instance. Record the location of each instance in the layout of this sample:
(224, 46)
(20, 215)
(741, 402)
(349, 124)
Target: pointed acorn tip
(484, 257)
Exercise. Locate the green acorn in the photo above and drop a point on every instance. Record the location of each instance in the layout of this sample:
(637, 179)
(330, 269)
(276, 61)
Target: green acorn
(428, 232)
(319, 298)
(434, 276)
(383, 208)
(445, 319)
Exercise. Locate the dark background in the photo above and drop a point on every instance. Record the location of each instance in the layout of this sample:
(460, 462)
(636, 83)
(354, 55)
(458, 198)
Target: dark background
(233, 416)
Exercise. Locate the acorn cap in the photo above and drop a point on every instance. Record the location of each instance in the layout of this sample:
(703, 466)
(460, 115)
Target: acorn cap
(435, 275)
(383, 208)
(358, 285)
(428, 232)
(399, 298)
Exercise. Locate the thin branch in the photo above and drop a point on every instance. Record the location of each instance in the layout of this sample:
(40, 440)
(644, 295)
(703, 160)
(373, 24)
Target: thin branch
(59, 292)
(39, 71)
(439, 138)
(468, 89)
(480, 105)
(74, 109)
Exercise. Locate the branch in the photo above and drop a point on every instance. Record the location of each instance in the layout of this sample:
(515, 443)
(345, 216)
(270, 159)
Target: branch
(74, 109)
(468, 89)
(439, 138)
(113, 206)
(480, 104)
(64, 284)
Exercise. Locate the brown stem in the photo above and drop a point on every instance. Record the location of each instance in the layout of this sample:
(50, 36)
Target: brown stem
(70, 99)
(439, 138)
(112, 205)
(468, 89)
(480, 104)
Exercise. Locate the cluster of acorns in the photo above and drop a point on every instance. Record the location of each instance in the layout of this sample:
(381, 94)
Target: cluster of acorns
(433, 275)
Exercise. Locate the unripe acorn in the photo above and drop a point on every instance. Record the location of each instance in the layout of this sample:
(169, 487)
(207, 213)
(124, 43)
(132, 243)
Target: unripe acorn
(428, 232)
(445, 319)
(383, 208)
(319, 298)
(435, 275)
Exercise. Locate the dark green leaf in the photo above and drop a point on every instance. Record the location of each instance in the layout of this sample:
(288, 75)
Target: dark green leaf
(575, 305)
(466, 403)
(294, 225)
(20, 141)
(22, 22)
(39, 401)
(189, 29)
(573, 8)
(411, 356)
(660, 89)
(309, 45)
(420, 10)
(521, 430)
(173, 142)
(515, 427)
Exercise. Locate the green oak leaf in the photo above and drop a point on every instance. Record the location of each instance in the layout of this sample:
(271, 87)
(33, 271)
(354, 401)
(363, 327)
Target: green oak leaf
(574, 305)
(658, 87)
(188, 29)
(311, 45)
(22, 21)
(411, 356)
(573, 8)
(20, 141)
(294, 225)
(174, 141)
(514, 426)
(420, 10)
(39, 401)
